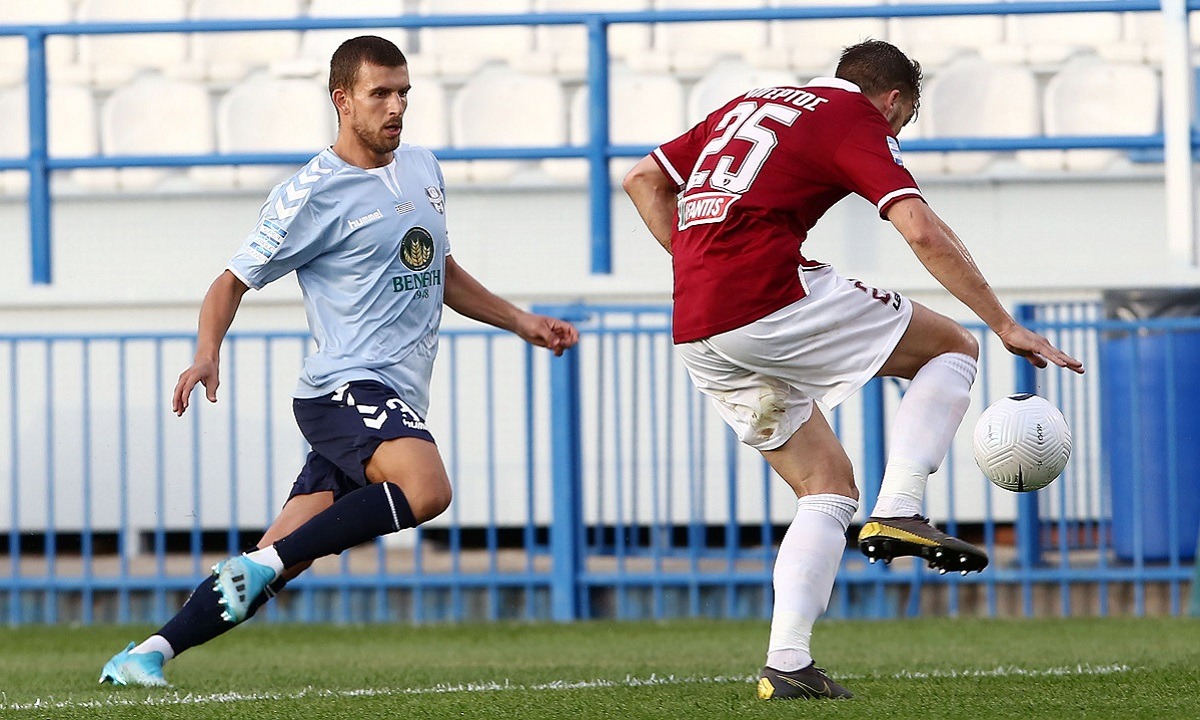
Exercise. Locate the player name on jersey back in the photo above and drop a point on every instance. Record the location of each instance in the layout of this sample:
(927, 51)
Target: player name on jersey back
(789, 96)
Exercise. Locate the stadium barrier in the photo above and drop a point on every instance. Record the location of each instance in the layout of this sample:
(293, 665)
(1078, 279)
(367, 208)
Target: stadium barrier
(595, 485)
(1176, 142)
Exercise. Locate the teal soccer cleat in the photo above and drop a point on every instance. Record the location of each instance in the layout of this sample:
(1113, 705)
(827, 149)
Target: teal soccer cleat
(239, 581)
(127, 668)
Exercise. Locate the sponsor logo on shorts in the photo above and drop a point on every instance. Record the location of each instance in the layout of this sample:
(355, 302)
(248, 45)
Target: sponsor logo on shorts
(703, 208)
(887, 297)
(374, 417)
(408, 416)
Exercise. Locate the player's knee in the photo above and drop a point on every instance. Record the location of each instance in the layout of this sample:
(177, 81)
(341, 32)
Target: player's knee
(831, 474)
(841, 478)
(968, 344)
(429, 499)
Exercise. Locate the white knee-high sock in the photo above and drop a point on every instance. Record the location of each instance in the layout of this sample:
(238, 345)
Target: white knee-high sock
(928, 416)
(805, 568)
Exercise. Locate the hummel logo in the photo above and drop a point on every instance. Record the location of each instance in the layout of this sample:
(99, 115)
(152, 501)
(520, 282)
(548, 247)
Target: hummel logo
(365, 219)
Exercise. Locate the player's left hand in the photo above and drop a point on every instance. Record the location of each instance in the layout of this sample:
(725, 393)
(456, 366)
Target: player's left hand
(547, 332)
(1039, 351)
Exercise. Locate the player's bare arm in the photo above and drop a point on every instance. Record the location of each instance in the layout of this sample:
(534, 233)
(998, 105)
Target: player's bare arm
(468, 297)
(216, 314)
(654, 196)
(947, 259)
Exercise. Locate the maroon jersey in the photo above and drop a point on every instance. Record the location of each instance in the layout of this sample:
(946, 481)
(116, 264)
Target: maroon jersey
(754, 177)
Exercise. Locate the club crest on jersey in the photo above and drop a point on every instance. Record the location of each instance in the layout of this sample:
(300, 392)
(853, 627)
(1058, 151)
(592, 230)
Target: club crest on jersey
(894, 146)
(416, 249)
(705, 207)
(434, 193)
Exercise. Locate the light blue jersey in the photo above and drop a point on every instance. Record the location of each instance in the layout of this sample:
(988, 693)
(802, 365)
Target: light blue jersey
(369, 250)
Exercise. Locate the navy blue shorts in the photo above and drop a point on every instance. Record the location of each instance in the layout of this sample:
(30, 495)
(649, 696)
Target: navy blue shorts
(344, 428)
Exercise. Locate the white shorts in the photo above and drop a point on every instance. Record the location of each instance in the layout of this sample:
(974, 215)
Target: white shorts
(765, 376)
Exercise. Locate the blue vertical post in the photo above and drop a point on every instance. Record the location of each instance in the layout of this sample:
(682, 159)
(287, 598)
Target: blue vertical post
(874, 440)
(1029, 537)
(39, 175)
(566, 525)
(51, 597)
(598, 181)
(874, 461)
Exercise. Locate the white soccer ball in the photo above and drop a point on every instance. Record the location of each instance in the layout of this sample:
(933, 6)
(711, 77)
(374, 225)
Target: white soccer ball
(1022, 442)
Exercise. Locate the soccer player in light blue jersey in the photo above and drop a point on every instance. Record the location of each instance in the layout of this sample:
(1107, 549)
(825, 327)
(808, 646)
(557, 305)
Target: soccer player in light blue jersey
(363, 227)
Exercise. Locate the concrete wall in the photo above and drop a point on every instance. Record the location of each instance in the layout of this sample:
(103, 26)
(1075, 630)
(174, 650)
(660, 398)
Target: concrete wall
(153, 256)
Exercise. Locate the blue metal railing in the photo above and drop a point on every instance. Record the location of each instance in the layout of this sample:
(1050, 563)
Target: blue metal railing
(598, 484)
(598, 151)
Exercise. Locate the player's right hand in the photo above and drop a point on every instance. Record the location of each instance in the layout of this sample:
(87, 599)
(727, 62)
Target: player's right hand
(203, 372)
(1020, 340)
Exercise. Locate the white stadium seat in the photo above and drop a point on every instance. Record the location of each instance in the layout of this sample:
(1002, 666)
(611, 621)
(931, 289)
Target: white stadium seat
(71, 123)
(427, 119)
(266, 114)
(500, 107)
(114, 59)
(60, 50)
(135, 120)
(15, 144)
(728, 80)
(1144, 30)
(692, 48)
(643, 110)
(460, 51)
(1053, 38)
(1095, 97)
(567, 45)
(427, 123)
(974, 98)
(317, 46)
(813, 46)
(935, 41)
(228, 57)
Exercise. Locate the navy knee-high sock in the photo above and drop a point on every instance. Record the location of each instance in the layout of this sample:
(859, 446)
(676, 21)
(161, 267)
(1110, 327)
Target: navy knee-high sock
(199, 620)
(359, 516)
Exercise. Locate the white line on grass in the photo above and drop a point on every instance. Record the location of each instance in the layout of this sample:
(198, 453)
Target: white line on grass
(177, 698)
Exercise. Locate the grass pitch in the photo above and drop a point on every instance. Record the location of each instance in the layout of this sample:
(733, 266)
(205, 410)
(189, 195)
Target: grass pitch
(936, 668)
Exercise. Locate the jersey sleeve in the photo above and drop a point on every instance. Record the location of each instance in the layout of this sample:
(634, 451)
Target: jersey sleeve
(286, 237)
(437, 170)
(869, 161)
(677, 157)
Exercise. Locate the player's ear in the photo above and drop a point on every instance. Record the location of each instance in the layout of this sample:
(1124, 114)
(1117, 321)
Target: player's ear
(341, 101)
(891, 100)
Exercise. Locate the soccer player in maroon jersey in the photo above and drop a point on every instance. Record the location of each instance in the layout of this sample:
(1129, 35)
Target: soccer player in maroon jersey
(767, 331)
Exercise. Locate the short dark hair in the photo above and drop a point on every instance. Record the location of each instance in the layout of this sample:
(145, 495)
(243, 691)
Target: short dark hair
(350, 55)
(876, 67)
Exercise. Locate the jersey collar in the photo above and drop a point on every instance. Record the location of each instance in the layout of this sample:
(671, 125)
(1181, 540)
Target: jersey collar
(833, 82)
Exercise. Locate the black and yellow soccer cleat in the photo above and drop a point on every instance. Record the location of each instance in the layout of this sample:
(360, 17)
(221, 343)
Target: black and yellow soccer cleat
(806, 683)
(888, 538)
